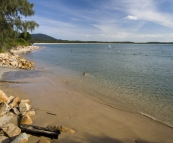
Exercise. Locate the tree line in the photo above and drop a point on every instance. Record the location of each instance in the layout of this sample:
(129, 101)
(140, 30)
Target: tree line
(12, 25)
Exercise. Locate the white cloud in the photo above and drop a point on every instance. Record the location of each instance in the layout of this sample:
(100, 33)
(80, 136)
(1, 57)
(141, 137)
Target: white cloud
(147, 10)
(132, 17)
(107, 22)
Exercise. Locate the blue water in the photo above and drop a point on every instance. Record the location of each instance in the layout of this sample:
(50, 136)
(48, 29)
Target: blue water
(138, 77)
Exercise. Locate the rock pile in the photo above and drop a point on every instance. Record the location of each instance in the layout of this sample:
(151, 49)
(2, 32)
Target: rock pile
(13, 60)
(12, 110)
(15, 122)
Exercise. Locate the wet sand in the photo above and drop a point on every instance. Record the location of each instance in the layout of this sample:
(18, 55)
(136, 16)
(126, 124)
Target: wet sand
(92, 121)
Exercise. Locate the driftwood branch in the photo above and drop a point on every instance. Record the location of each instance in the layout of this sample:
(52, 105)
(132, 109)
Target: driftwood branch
(40, 131)
(51, 113)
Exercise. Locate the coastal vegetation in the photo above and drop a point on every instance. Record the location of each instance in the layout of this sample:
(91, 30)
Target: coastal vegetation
(13, 29)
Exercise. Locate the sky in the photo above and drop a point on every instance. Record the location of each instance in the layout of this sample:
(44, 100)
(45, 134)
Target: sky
(105, 20)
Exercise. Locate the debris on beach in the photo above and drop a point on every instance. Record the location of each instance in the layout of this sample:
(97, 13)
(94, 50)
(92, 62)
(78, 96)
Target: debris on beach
(16, 122)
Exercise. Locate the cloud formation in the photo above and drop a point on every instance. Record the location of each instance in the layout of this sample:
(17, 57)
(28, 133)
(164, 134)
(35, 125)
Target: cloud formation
(111, 20)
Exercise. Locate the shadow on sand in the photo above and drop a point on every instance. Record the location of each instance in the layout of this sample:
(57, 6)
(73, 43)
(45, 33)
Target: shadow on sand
(96, 139)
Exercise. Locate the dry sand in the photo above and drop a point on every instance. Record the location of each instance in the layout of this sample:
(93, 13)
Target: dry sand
(23, 50)
(92, 121)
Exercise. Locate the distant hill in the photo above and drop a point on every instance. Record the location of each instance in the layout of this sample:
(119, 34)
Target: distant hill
(43, 38)
(38, 38)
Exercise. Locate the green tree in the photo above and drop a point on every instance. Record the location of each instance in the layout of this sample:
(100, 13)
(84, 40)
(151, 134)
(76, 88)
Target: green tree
(26, 36)
(11, 14)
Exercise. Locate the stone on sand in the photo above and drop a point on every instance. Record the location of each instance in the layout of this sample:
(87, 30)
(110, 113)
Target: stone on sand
(24, 107)
(3, 97)
(26, 119)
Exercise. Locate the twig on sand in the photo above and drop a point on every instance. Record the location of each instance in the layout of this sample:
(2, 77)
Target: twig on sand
(51, 113)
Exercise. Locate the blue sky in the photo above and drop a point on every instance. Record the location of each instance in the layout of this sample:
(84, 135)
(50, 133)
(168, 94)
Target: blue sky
(105, 20)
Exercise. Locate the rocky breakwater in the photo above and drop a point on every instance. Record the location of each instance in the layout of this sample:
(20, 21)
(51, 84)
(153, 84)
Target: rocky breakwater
(13, 60)
(16, 119)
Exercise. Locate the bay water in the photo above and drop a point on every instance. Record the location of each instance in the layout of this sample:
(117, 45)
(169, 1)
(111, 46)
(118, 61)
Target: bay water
(137, 77)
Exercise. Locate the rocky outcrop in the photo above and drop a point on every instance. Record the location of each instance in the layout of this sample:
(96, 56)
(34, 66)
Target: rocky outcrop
(13, 60)
(18, 131)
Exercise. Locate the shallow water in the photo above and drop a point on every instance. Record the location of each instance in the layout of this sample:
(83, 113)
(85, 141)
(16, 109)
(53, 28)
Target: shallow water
(138, 77)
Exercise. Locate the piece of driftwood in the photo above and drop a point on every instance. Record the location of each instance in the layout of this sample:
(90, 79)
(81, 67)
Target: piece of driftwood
(40, 131)
(51, 113)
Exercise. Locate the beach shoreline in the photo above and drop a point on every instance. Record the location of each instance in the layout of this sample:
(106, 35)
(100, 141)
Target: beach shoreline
(92, 121)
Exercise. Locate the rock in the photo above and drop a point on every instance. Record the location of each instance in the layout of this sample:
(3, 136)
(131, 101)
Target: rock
(62, 129)
(22, 138)
(66, 130)
(14, 63)
(4, 139)
(4, 108)
(11, 130)
(14, 102)
(26, 119)
(16, 111)
(5, 119)
(2, 55)
(26, 101)
(13, 58)
(20, 65)
(11, 98)
(3, 97)
(43, 141)
(22, 60)
(24, 107)
(31, 113)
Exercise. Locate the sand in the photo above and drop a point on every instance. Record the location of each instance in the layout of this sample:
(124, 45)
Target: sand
(92, 121)
(23, 50)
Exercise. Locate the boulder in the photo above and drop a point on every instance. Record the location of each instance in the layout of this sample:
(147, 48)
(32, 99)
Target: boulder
(66, 130)
(62, 129)
(11, 98)
(3, 97)
(26, 101)
(6, 119)
(22, 138)
(24, 107)
(14, 102)
(16, 111)
(22, 60)
(11, 130)
(31, 113)
(26, 119)
(14, 63)
(4, 108)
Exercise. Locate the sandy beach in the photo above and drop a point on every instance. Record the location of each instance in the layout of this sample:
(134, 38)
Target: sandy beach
(92, 121)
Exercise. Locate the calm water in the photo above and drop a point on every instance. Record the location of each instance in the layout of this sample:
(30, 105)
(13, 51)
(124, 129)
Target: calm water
(139, 77)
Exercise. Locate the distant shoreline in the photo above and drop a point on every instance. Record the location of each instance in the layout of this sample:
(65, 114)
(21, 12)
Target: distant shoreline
(105, 43)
